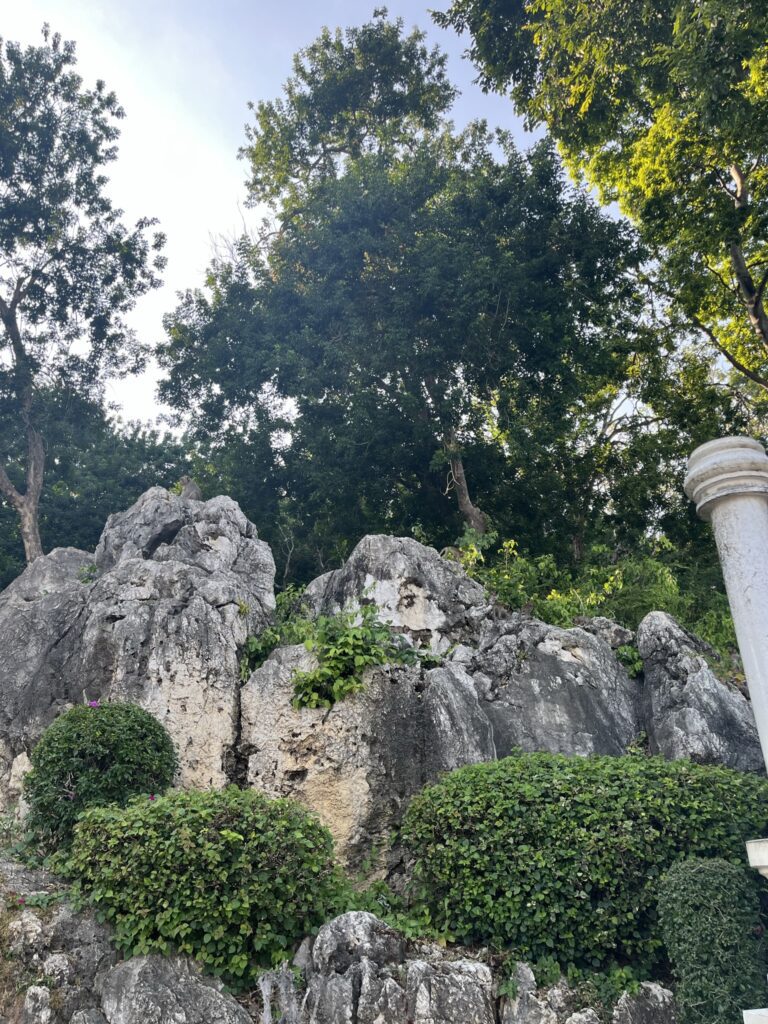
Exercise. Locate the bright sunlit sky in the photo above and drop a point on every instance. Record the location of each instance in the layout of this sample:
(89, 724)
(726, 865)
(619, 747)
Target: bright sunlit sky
(184, 70)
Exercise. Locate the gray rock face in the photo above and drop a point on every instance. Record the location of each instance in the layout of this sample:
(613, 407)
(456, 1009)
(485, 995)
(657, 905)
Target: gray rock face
(416, 590)
(652, 1005)
(181, 585)
(41, 617)
(67, 951)
(358, 973)
(559, 690)
(688, 711)
(156, 990)
(357, 763)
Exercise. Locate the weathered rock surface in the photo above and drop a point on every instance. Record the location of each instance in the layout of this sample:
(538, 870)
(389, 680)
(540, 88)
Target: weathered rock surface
(652, 1005)
(688, 711)
(48, 949)
(559, 690)
(156, 990)
(415, 589)
(360, 970)
(357, 763)
(156, 619)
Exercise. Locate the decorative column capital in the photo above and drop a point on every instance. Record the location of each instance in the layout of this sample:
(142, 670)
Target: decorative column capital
(727, 466)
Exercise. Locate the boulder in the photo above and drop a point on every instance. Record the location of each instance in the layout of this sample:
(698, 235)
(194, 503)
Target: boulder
(155, 989)
(651, 1005)
(156, 618)
(689, 713)
(358, 973)
(417, 591)
(553, 689)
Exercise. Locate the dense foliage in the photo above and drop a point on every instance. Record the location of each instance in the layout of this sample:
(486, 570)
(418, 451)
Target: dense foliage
(344, 645)
(663, 105)
(230, 878)
(709, 917)
(554, 856)
(70, 269)
(93, 754)
(620, 586)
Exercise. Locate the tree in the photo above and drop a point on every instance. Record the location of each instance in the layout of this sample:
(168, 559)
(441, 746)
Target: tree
(95, 466)
(423, 295)
(69, 267)
(663, 105)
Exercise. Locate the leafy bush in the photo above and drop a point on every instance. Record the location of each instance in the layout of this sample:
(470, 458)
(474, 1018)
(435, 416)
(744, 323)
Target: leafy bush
(230, 877)
(292, 625)
(556, 856)
(344, 645)
(94, 754)
(625, 589)
(709, 915)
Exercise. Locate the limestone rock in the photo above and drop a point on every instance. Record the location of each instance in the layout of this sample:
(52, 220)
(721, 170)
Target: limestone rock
(41, 617)
(352, 937)
(526, 1007)
(358, 763)
(651, 1005)
(415, 590)
(358, 974)
(155, 989)
(689, 712)
(614, 634)
(553, 689)
(156, 619)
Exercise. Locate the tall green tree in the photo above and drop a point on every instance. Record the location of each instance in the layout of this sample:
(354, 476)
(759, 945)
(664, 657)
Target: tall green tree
(663, 105)
(425, 295)
(69, 267)
(95, 465)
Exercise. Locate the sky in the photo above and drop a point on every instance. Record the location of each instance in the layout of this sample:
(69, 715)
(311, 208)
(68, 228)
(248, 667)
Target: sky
(184, 71)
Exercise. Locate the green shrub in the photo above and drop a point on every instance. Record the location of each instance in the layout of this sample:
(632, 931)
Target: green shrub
(709, 916)
(230, 877)
(555, 856)
(93, 754)
(344, 645)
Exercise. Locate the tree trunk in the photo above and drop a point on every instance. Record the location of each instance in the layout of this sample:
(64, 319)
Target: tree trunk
(474, 517)
(27, 504)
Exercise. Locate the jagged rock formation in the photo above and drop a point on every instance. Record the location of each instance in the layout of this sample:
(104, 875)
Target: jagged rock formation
(61, 969)
(689, 712)
(415, 589)
(156, 617)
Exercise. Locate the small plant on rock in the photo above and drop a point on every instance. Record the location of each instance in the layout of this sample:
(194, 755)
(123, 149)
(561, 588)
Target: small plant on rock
(93, 754)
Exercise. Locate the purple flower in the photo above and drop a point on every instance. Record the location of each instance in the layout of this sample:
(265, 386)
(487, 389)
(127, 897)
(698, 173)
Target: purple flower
(151, 796)
(94, 704)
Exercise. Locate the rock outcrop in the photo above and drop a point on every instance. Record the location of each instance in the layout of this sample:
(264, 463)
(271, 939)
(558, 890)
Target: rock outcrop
(156, 618)
(688, 711)
(60, 968)
(415, 589)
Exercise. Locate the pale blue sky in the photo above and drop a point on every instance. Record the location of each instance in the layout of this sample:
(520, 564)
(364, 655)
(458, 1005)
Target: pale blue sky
(185, 70)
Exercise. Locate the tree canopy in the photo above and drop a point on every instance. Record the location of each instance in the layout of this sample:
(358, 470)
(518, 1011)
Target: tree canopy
(430, 319)
(664, 107)
(69, 267)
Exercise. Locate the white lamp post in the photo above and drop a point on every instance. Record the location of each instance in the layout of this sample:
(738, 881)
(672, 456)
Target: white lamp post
(728, 481)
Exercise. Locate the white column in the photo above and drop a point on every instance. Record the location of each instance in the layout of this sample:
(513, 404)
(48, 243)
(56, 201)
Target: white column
(728, 480)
